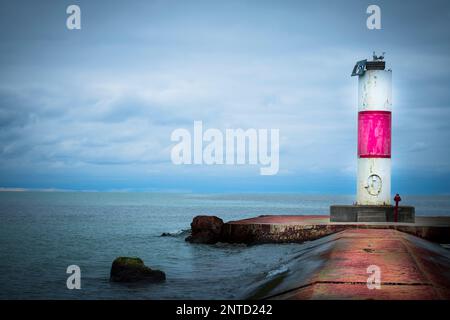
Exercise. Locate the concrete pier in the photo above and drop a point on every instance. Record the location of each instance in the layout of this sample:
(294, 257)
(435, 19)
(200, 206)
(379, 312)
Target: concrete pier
(410, 269)
(289, 228)
(333, 260)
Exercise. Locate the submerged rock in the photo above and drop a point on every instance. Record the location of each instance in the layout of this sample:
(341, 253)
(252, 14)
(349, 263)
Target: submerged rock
(175, 234)
(205, 229)
(126, 269)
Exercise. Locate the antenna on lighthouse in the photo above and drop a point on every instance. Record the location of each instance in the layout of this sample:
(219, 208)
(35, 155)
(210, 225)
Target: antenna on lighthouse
(378, 58)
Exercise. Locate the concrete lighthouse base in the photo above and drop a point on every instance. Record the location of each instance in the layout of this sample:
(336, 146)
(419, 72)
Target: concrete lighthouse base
(370, 213)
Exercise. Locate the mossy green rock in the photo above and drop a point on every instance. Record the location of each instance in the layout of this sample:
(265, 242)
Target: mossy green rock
(127, 269)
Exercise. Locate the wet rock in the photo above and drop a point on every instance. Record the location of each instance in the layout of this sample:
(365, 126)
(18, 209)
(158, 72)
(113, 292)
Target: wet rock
(126, 269)
(175, 234)
(205, 229)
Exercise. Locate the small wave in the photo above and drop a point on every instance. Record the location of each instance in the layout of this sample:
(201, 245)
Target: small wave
(178, 233)
(282, 269)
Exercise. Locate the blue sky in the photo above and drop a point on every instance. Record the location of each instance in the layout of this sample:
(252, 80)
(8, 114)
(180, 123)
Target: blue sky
(93, 109)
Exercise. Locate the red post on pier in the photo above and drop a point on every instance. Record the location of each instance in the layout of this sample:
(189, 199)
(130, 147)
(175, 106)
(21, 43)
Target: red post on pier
(397, 199)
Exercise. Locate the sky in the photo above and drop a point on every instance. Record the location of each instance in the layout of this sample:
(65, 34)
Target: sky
(93, 109)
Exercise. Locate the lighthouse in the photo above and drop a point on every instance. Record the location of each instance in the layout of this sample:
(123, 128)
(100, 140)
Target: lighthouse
(373, 185)
(373, 156)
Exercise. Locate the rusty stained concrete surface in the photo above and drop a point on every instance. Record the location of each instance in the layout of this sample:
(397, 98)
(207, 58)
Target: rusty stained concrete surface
(335, 256)
(291, 228)
(411, 269)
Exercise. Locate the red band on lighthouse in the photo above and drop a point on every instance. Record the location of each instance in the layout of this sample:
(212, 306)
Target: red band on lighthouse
(374, 134)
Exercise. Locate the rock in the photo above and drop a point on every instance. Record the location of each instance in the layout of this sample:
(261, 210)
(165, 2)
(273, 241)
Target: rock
(126, 269)
(175, 234)
(205, 229)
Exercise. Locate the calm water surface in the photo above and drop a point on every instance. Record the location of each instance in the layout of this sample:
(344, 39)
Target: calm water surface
(41, 233)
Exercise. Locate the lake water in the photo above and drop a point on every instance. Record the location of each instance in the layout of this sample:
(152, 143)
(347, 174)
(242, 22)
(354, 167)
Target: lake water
(42, 233)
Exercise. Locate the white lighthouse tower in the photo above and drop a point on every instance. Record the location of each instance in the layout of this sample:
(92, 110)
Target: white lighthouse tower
(374, 132)
(373, 182)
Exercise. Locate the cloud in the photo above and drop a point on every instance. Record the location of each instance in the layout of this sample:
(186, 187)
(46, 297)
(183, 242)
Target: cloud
(104, 101)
